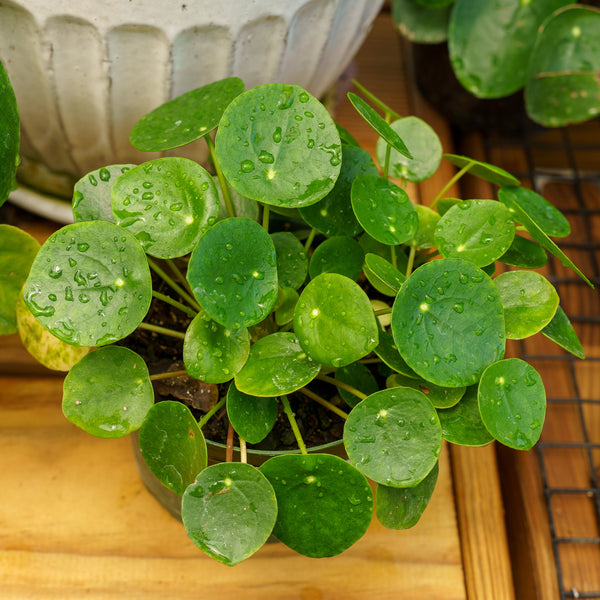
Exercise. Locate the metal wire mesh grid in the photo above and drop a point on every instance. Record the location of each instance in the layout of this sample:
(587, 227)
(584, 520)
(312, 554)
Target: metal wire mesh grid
(564, 166)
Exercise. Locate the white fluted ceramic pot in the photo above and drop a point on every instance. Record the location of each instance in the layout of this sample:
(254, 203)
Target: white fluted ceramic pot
(85, 71)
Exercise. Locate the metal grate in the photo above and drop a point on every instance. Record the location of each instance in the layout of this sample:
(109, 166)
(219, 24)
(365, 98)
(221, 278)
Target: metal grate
(564, 166)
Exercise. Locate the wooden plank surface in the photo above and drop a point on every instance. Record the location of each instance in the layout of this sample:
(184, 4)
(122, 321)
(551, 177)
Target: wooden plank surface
(75, 520)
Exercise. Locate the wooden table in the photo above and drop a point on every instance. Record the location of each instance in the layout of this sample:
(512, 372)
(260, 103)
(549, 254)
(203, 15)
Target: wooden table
(75, 520)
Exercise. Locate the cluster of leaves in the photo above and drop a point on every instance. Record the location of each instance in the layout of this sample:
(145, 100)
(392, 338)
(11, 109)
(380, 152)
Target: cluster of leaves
(346, 293)
(548, 47)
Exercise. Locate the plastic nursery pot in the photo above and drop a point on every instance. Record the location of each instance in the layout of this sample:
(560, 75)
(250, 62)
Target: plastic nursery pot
(216, 453)
(85, 72)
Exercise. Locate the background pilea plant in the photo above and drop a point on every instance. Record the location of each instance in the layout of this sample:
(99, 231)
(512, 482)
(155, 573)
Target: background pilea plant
(301, 265)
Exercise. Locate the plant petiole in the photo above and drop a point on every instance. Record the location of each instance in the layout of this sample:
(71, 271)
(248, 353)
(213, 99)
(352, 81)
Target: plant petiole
(168, 375)
(411, 260)
(229, 449)
(190, 312)
(265, 217)
(174, 285)
(450, 183)
(389, 113)
(293, 424)
(162, 330)
(215, 409)
(243, 451)
(309, 240)
(220, 176)
(344, 386)
(178, 274)
(334, 409)
(386, 165)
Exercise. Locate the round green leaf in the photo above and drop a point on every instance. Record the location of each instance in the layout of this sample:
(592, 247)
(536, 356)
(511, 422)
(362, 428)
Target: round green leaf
(359, 377)
(479, 231)
(525, 254)
(285, 312)
(529, 300)
(277, 365)
(233, 273)
(91, 195)
(490, 42)
(9, 136)
(277, 144)
(252, 417)
(43, 346)
(462, 424)
(173, 445)
(379, 124)
(17, 251)
(212, 352)
(394, 437)
(564, 68)
(338, 254)
(428, 220)
(90, 284)
(185, 118)
(425, 147)
(440, 397)
(292, 262)
(561, 332)
(334, 215)
(229, 511)
(387, 351)
(382, 275)
(401, 508)
(418, 23)
(549, 219)
(483, 170)
(384, 210)
(448, 322)
(325, 504)
(334, 321)
(512, 403)
(167, 203)
(108, 392)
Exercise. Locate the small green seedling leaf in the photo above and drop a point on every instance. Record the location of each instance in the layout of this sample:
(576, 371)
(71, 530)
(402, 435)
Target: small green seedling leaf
(525, 254)
(428, 220)
(292, 262)
(440, 397)
(549, 219)
(9, 136)
(90, 284)
(462, 424)
(534, 230)
(17, 252)
(448, 322)
(43, 346)
(108, 392)
(285, 312)
(425, 147)
(401, 508)
(387, 351)
(359, 377)
(91, 195)
(394, 437)
(233, 273)
(379, 124)
(167, 203)
(529, 300)
(252, 417)
(277, 365)
(186, 118)
(277, 144)
(421, 24)
(173, 445)
(334, 215)
(384, 210)
(338, 254)
(382, 275)
(334, 321)
(479, 231)
(561, 332)
(483, 170)
(212, 352)
(229, 511)
(564, 68)
(512, 403)
(325, 504)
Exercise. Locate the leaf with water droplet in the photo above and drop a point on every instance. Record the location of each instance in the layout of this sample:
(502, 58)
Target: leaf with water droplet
(512, 403)
(337, 254)
(359, 377)
(108, 392)
(185, 118)
(440, 397)
(529, 300)
(428, 220)
(325, 505)
(306, 159)
(173, 445)
(382, 275)
(229, 511)
(405, 432)
(252, 417)
(285, 311)
(292, 262)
